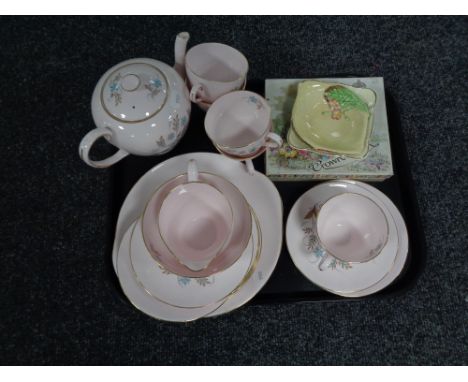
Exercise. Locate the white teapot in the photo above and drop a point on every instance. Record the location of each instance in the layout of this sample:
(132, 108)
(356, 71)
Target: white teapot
(141, 106)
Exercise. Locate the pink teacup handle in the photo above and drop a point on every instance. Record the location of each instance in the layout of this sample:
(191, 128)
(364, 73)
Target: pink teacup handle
(192, 171)
(88, 141)
(250, 166)
(195, 93)
(273, 140)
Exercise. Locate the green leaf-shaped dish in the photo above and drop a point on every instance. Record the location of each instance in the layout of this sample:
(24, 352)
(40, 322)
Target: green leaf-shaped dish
(334, 117)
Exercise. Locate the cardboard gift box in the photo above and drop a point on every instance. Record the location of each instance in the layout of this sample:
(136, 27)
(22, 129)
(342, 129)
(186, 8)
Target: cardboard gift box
(288, 163)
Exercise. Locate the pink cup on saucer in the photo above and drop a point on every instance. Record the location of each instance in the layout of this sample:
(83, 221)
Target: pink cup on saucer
(186, 238)
(195, 221)
(351, 228)
(239, 124)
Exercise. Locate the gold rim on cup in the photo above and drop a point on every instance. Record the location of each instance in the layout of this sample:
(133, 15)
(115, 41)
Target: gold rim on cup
(148, 247)
(226, 239)
(266, 131)
(382, 246)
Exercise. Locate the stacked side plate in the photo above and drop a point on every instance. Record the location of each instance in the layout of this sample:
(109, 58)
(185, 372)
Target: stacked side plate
(167, 296)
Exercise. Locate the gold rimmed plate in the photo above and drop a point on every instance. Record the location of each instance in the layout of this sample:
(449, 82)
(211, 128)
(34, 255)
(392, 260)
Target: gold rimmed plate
(160, 294)
(187, 292)
(258, 190)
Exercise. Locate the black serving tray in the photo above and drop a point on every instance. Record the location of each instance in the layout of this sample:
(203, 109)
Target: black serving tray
(287, 284)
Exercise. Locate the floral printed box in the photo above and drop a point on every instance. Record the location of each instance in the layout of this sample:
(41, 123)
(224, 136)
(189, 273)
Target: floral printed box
(287, 163)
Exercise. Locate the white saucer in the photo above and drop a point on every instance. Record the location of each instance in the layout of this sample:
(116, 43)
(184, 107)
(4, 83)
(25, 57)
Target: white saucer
(339, 277)
(258, 190)
(187, 292)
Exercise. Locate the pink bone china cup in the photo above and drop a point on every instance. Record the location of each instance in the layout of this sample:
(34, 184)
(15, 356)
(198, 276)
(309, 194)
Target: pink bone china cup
(239, 124)
(240, 237)
(352, 228)
(195, 221)
(213, 70)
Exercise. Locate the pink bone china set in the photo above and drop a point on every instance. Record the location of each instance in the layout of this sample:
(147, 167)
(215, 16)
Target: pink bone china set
(200, 234)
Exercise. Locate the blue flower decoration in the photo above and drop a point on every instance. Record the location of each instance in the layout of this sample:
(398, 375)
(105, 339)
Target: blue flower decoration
(184, 120)
(156, 83)
(319, 252)
(253, 99)
(183, 281)
(114, 87)
(171, 136)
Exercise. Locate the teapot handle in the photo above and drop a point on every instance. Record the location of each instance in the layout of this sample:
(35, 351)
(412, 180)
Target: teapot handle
(88, 141)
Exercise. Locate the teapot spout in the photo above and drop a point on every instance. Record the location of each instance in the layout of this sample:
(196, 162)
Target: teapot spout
(179, 52)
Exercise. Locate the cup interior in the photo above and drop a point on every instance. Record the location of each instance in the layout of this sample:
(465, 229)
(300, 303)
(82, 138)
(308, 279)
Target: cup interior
(352, 227)
(195, 221)
(216, 62)
(237, 119)
(235, 246)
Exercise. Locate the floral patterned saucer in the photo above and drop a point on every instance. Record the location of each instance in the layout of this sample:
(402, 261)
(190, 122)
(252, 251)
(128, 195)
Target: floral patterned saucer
(338, 277)
(186, 292)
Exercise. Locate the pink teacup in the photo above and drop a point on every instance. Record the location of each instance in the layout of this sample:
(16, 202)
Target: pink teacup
(213, 70)
(239, 124)
(238, 241)
(351, 228)
(195, 222)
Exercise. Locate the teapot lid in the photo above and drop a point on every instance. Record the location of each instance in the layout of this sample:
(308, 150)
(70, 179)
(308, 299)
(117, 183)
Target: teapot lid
(134, 92)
